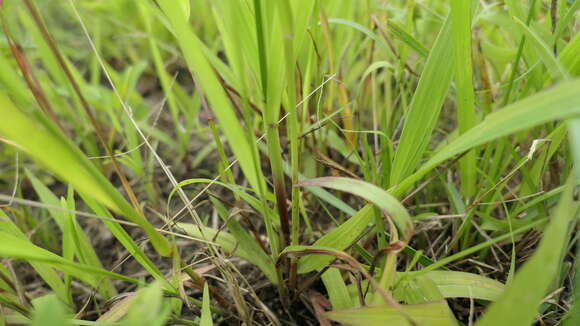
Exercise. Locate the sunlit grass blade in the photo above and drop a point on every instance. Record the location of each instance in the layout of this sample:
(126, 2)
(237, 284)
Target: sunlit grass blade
(46, 144)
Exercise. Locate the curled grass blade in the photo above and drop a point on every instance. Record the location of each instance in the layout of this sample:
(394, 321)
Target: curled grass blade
(371, 193)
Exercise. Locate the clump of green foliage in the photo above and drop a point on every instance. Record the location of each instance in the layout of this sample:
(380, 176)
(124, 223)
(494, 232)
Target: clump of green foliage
(370, 162)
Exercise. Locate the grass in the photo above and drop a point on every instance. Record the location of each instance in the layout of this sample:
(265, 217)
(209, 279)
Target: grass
(287, 162)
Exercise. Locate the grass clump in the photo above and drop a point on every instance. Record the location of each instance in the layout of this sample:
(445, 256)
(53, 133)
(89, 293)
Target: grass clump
(299, 162)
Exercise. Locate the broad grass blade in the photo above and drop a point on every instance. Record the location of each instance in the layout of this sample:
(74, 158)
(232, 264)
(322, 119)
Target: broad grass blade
(373, 194)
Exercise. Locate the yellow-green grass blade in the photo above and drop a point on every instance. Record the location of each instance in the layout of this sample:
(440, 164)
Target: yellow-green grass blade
(46, 272)
(569, 56)
(68, 247)
(336, 288)
(554, 67)
(217, 98)
(425, 314)
(519, 304)
(14, 86)
(245, 241)
(205, 319)
(17, 248)
(148, 305)
(125, 239)
(418, 290)
(46, 144)
(49, 311)
(453, 284)
(371, 193)
(558, 103)
(465, 97)
(84, 250)
(229, 244)
(407, 38)
(340, 238)
(425, 107)
(557, 71)
(517, 9)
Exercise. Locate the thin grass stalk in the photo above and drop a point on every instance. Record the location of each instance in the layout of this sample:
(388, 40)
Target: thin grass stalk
(519, 54)
(272, 133)
(98, 128)
(292, 123)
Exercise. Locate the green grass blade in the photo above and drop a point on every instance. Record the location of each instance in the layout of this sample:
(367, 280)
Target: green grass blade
(425, 314)
(14, 247)
(337, 290)
(373, 194)
(200, 67)
(340, 238)
(49, 311)
(519, 304)
(246, 242)
(150, 305)
(40, 139)
(465, 98)
(466, 285)
(408, 39)
(83, 248)
(46, 272)
(229, 244)
(205, 319)
(560, 102)
(569, 56)
(554, 67)
(425, 107)
(125, 239)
